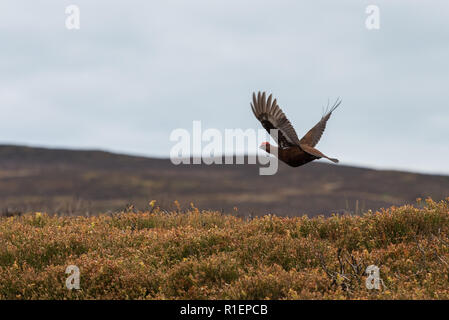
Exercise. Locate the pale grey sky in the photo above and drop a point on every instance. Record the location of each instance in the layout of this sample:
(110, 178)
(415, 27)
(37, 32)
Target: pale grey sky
(137, 70)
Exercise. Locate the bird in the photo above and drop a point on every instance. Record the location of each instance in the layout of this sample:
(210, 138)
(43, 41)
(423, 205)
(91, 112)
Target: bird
(290, 150)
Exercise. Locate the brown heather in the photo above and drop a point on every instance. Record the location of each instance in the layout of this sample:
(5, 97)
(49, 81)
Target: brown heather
(207, 255)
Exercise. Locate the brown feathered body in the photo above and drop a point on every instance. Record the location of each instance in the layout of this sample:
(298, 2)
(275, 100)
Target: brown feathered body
(291, 150)
(293, 156)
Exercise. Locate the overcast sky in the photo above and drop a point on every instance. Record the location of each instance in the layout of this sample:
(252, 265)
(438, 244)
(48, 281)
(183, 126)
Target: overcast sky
(136, 70)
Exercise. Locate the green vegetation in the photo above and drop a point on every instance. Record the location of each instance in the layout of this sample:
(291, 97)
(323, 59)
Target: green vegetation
(206, 255)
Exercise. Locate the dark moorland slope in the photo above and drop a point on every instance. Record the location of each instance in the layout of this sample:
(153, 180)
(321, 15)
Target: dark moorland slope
(88, 182)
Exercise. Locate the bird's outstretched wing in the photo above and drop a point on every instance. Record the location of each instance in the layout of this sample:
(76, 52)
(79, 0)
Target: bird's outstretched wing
(314, 135)
(271, 116)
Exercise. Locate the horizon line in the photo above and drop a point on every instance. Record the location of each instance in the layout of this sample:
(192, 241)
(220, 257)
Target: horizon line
(157, 157)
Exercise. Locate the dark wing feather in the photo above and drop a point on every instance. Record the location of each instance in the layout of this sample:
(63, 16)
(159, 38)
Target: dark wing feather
(314, 135)
(271, 116)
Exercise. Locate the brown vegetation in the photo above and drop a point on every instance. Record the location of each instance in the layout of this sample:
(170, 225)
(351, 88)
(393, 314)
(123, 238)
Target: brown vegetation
(206, 255)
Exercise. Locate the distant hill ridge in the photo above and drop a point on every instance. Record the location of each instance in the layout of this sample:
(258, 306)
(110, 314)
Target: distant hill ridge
(91, 181)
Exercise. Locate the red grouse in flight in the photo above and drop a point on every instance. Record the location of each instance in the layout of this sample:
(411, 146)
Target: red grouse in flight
(292, 151)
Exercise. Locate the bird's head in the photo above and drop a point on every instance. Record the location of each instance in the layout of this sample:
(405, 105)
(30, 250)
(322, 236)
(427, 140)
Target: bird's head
(265, 146)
